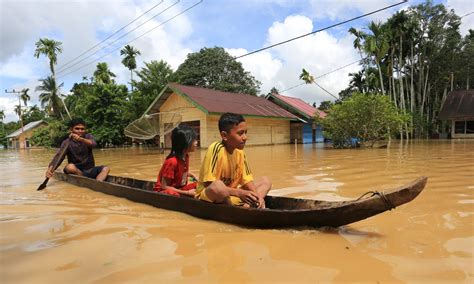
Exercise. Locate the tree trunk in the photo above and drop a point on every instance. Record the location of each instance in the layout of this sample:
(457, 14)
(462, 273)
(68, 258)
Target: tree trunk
(380, 75)
(131, 79)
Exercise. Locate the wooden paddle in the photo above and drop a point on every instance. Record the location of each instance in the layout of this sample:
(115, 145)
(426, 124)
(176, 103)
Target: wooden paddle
(56, 163)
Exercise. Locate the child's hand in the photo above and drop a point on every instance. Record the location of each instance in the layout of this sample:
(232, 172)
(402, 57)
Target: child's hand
(249, 197)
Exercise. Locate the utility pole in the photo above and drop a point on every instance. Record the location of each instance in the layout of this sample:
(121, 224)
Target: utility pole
(19, 104)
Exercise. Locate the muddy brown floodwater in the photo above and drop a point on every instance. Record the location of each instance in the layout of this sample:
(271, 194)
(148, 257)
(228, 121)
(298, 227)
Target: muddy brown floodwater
(68, 234)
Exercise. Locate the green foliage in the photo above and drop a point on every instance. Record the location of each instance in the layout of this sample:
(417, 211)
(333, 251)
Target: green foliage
(104, 105)
(214, 68)
(50, 48)
(7, 128)
(325, 105)
(154, 77)
(103, 75)
(130, 53)
(306, 77)
(415, 57)
(33, 114)
(50, 136)
(366, 117)
(49, 96)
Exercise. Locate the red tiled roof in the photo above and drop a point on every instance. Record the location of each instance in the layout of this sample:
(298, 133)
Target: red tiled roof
(220, 102)
(300, 105)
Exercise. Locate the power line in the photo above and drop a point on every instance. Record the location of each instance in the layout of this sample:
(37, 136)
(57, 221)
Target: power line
(110, 44)
(466, 14)
(60, 68)
(180, 13)
(325, 74)
(320, 30)
(326, 90)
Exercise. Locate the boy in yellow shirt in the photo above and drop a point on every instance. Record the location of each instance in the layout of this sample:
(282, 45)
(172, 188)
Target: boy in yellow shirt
(225, 176)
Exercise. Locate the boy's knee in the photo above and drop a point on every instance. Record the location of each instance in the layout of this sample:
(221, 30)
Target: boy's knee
(217, 190)
(106, 170)
(70, 169)
(265, 181)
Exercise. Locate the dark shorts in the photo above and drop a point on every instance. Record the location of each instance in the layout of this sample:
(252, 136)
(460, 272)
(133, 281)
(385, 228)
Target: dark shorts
(91, 172)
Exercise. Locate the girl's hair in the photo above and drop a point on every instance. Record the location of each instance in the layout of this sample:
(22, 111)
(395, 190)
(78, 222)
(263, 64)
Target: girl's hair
(181, 138)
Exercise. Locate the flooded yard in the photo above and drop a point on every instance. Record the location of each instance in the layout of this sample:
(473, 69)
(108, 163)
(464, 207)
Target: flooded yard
(71, 234)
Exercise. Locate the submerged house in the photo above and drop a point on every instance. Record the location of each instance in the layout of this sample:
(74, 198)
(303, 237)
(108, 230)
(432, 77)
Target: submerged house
(201, 108)
(306, 130)
(19, 139)
(459, 109)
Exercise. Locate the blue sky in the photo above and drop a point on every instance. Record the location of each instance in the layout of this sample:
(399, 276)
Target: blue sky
(239, 26)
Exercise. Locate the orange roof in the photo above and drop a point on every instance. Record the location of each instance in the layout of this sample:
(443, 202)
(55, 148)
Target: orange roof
(297, 104)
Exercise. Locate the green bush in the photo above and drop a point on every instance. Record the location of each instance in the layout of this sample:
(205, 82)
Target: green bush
(365, 117)
(50, 136)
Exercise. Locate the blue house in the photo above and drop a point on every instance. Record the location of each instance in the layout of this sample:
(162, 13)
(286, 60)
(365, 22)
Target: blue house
(305, 130)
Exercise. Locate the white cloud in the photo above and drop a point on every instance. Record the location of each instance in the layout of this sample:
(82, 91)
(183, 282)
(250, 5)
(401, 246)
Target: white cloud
(318, 53)
(6, 104)
(261, 65)
(345, 9)
(463, 7)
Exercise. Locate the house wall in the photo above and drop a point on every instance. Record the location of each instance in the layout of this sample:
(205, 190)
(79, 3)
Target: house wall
(22, 140)
(261, 131)
(176, 103)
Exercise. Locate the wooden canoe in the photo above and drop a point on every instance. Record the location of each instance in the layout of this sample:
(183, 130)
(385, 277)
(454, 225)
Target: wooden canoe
(281, 212)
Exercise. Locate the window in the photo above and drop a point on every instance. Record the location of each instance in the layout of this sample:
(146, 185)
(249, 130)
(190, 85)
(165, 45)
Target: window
(459, 127)
(470, 127)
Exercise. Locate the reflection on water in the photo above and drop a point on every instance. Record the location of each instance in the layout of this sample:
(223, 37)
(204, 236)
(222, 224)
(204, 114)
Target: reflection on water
(66, 233)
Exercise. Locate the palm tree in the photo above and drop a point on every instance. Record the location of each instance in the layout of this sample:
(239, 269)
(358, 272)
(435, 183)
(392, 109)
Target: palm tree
(102, 74)
(2, 116)
(129, 60)
(49, 95)
(50, 48)
(17, 110)
(377, 46)
(24, 96)
(306, 77)
(359, 36)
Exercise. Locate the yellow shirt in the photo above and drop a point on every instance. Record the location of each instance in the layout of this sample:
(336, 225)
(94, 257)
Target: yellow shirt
(218, 164)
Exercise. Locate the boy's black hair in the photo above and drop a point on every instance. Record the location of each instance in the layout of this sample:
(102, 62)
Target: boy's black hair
(181, 138)
(228, 120)
(76, 121)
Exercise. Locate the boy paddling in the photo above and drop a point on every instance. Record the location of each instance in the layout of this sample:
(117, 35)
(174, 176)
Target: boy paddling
(225, 176)
(79, 153)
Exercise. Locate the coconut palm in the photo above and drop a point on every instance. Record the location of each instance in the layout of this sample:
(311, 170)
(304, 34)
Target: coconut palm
(50, 48)
(49, 95)
(102, 74)
(129, 60)
(377, 46)
(17, 110)
(306, 77)
(2, 116)
(24, 96)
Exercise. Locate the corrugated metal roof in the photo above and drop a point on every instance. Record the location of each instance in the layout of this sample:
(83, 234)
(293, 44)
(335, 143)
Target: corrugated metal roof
(214, 101)
(458, 105)
(299, 105)
(27, 127)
